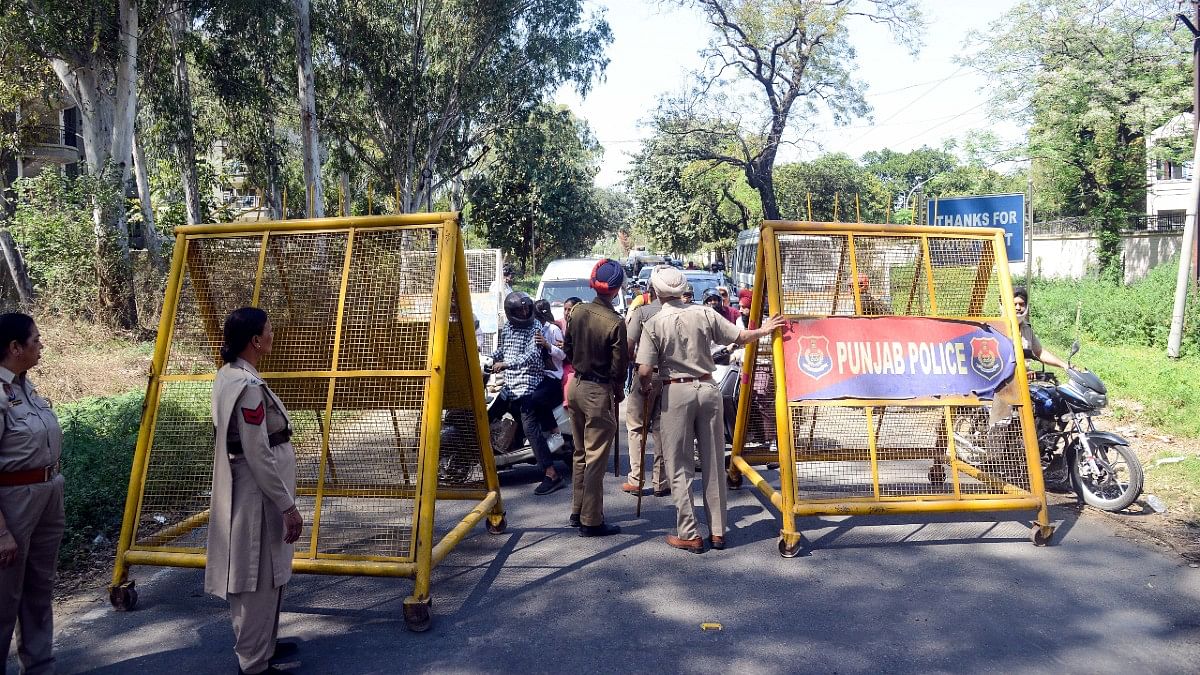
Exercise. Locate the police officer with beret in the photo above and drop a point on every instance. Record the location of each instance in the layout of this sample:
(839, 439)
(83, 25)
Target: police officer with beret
(678, 342)
(597, 346)
(32, 519)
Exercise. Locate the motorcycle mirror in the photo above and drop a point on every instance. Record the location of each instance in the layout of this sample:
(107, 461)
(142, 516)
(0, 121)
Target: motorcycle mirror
(1074, 348)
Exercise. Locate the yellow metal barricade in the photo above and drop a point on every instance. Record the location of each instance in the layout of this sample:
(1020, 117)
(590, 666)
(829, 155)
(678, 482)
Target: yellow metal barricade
(899, 385)
(374, 356)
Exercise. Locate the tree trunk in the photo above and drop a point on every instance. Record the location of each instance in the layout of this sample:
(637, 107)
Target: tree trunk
(180, 22)
(308, 109)
(149, 231)
(344, 183)
(760, 175)
(106, 92)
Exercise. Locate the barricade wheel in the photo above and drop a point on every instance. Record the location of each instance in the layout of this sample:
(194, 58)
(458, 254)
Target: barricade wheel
(417, 616)
(498, 528)
(124, 597)
(937, 474)
(787, 552)
(1040, 534)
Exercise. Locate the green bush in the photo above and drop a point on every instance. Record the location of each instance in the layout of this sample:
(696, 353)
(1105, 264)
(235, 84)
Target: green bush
(1113, 313)
(99, 436)
(53, 227)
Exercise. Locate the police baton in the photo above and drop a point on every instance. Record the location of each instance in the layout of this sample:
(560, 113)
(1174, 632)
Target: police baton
(616, 438)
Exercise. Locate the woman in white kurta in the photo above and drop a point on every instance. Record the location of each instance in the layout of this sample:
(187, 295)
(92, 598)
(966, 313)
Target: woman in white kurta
(254, 521)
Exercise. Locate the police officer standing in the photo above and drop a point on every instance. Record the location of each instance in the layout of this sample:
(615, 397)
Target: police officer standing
(254, 521)
(678, 341)
(597, 346)
(32, 519)
(635, 422)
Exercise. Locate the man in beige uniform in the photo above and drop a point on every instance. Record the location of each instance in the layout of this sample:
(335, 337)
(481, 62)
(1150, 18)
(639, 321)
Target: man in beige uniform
(678, 340)
(597, 346)
(634, 410)
(254, 484)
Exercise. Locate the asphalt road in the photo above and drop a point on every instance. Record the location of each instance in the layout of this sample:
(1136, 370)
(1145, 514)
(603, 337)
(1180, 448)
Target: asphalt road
(956, 593)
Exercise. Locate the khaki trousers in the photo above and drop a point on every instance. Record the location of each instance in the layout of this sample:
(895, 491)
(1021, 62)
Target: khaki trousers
(594, 425)
(34, 514)
(634, 404)
(692, 413)
(256, 620)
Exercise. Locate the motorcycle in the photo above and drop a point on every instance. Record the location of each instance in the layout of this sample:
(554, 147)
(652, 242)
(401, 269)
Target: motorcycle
(1099, 466)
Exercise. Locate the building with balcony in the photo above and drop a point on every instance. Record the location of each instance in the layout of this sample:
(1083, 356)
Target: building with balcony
(1168, 184)
(56, 141)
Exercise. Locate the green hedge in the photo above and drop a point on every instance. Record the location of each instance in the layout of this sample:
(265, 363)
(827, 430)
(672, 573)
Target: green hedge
(99, 436)
(1112, 313)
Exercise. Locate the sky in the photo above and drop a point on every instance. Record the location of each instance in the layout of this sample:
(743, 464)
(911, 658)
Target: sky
(918, 101)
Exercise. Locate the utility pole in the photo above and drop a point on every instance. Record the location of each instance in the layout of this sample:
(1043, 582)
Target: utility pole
(1189, 227)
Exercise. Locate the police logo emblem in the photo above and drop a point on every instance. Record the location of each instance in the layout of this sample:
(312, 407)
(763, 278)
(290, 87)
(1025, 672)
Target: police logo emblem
(985, 357)
(815, 360)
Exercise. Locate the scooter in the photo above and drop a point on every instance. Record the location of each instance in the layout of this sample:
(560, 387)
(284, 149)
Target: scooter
(509, 444)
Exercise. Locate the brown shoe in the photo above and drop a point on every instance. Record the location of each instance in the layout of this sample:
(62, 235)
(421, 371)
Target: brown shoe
(718, 543)
(631, 488)
(694, 545)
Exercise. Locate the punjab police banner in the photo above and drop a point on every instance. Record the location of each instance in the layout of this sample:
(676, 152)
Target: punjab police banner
(894, 357)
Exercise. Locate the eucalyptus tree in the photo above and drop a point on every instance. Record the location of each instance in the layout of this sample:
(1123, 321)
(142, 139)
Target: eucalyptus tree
(769, 63)
(421, 86)
(92, 46)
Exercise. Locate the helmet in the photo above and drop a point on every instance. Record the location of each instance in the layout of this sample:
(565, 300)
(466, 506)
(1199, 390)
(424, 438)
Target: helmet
(711, 293)
(689, 290)
(509, 269)
(607, 276)
(518, 309)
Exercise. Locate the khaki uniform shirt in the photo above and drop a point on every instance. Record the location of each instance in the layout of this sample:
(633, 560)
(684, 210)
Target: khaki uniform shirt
(637, 319)
(596, 341)
(679, 339)
(30, 437)
(250, 491)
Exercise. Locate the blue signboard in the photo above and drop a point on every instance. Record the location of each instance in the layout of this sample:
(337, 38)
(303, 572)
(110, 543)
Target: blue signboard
(1003, 211)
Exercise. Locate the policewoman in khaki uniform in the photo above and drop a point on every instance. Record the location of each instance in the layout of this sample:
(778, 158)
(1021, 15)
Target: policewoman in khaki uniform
(31, 500)
(597, 346)
(254, 521)
(678, 341)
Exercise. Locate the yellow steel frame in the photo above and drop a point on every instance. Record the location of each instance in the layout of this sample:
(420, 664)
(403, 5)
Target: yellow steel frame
(451, 278)
(768, 288)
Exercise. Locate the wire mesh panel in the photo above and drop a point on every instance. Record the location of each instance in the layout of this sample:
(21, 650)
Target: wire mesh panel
(900, 371)
(369, 336)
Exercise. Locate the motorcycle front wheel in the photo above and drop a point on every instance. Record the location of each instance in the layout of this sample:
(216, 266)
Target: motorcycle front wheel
(1118, 483)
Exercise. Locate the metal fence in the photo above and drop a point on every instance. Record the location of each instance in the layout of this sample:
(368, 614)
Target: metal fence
(374, 358)
(883, 453)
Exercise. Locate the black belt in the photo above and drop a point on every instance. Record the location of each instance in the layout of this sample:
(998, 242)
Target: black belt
(277, 438)
(592, 377)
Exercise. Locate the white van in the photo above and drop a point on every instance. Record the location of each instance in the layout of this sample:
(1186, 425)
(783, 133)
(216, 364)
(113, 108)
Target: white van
(570, 277)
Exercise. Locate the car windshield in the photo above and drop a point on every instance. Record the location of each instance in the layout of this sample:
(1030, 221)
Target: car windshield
(645, 273)
(558, 291)
(700, 284)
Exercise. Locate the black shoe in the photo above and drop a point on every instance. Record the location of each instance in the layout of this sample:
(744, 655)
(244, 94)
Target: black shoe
(549, 485)
(283, 650)
(575, 520)
(271, 670)
(601, 530)
(663, 493)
